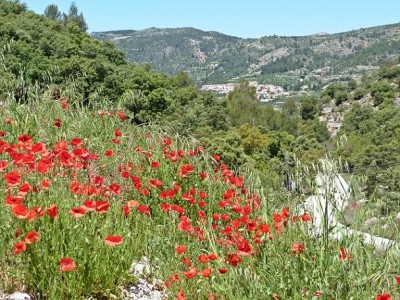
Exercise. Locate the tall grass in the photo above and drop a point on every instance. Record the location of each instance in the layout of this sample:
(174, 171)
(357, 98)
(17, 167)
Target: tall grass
(161, 191)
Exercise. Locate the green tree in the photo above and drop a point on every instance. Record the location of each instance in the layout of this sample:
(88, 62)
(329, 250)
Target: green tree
(290, 117)
(308, 108)
(74, 16)
(352, 85)
(243, 105)
(52, 12)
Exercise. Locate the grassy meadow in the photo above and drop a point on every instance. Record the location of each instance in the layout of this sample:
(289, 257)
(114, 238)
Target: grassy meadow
(85, 193)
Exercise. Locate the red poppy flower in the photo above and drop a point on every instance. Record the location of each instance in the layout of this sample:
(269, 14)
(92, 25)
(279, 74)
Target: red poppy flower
(24, 139)
(126, 210)
(187, 262)
(117, 132)
(19, 247)
(344, 255)
(42, 167)
(154, 165)
(222, 270)
(155, 183)
(233, 259)
(383, 297)
(24, 189)
(3, 163)
(12, 201)
(102, 206)
(77, 212)
(180, 249)
(12, 178)
(212, 256)
(191, 273)
(109, 153)
(113, 240)
(203, 258)
(76, 141)
(35, 212)
(206, 272)
(297, 248)
(57, 123)
(31, 237)
(144, 209)
(45, 184)
(306, 217)
(115, 188)
(122, 116)
(52, 211)
(67, 264)
(397, 279)
(20, 211)
(180, 296)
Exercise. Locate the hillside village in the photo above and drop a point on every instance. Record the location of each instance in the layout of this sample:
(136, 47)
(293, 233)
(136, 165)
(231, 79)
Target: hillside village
(265, 92)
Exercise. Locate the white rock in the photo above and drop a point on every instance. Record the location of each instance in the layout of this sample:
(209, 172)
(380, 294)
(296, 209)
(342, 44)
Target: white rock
(19, 296)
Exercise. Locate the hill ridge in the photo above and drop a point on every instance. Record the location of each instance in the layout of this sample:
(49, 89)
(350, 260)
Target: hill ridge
(290, 61)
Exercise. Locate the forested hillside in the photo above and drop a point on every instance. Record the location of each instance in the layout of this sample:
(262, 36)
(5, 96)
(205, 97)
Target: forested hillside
(289, 61)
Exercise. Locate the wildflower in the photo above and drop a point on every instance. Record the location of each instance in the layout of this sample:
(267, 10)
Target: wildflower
(52, 211)
(297, 248)
(20, 211)
(233, 259)
(76, 141)
(122, 116)
(180, 249)
(12, 178)
(206, 272)
(154, 165)
(318, 293)
(203, 258)
(109, 153)
(115, 188)
(397, 279)
(67, 264)
(117, 132)
(113, 240)
(344, 255)
(181, 295)
(144, 209)
(45, 184)
(31, 237)
(306, 217)
(212, 256)
(77, 212)
(191, 273)
(57, 123)
(222, 270)
(19, 247)
(17, 233)
(383, 297)
(102, 206)
(12, 201)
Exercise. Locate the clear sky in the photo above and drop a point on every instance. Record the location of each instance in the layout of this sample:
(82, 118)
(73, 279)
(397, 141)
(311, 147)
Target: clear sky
(242, 18)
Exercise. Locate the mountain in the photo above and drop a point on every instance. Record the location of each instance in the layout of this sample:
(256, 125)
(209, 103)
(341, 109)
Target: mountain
(291, 61)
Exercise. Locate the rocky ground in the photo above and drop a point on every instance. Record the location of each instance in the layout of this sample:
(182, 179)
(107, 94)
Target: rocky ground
(143, 290)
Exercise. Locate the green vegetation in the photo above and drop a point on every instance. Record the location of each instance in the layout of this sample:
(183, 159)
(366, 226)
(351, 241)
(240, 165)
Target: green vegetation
(288, 61)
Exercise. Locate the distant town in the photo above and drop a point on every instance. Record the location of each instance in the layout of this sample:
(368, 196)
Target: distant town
(265, 92)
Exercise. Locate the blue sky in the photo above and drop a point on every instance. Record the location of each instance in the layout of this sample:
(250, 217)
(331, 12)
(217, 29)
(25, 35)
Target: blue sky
(243, 18)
